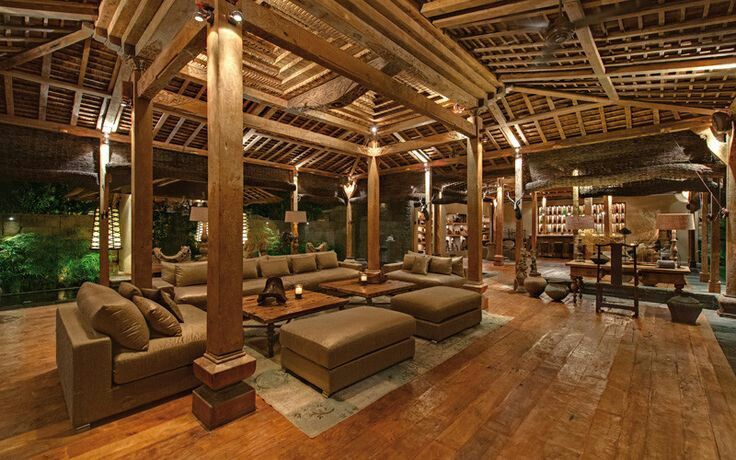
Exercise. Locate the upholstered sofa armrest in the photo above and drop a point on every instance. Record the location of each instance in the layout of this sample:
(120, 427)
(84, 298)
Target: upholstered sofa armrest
(353, 265)
(84, 361)
(392, 267)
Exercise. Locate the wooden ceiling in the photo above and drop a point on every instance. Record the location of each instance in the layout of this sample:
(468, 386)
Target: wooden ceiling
(664, 67)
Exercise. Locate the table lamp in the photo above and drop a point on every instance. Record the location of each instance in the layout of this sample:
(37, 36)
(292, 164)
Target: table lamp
(675, 221)
(577, 223)
(295, 218)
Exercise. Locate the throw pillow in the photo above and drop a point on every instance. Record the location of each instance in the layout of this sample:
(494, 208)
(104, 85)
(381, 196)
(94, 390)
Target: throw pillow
(191, 273)
(304, 263)
(250, 269)
(112, 314)
(168, 272)
(274, 267)
(167, 299)
(441, 265)
(159, 319)
(409, 259)
(457, 266)
(128, 290)
(327, 259)
(420, 265)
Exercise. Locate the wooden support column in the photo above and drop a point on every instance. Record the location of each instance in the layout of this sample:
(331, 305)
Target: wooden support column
(535, 222)
(429, 225)
(519, 222)
(295, 207)
(439, 228)
(607, 216)
(349, 190)
(704, 265)
(728, 301)
(142, 189)
(475, 209)
(498, 234)
(224, 396)
(714, 277)
(104, 216)
(374, 217)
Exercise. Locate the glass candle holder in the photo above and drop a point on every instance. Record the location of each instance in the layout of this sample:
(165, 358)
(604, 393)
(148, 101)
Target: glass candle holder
(298, 290)
(363, 278)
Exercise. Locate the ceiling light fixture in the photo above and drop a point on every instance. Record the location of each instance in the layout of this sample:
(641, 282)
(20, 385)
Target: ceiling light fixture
(374, 130)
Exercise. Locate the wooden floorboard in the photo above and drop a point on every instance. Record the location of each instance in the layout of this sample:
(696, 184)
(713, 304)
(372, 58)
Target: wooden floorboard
(557, 381)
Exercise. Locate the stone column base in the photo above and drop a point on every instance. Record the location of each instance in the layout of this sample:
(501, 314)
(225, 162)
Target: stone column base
(224, 396)
(714, 287)
(480, 287)
(727, 306)
(704, 277)
(374, 276)
(497, 260)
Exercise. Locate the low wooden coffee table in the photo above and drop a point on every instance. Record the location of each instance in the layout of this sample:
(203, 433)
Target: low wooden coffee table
(353, 287)
(269, 316)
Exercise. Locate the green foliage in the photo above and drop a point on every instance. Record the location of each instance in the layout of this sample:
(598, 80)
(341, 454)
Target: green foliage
(40, 198)
(172, 229)
(33, 262)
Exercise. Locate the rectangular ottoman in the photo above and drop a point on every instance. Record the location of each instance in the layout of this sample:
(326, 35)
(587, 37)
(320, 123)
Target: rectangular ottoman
(335, 350)
(440, 311)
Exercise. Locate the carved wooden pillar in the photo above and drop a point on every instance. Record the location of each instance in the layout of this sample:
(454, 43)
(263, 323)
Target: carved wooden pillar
(498, 212)
(714, 277)
(349, 190)
(704, 265)
(374, 217)
(224, 396)
(104, 216)
(429, 224)
(607, 216)
(142, 189)
(475, 208)
(535, 222)
(521, 265)
(728, 301)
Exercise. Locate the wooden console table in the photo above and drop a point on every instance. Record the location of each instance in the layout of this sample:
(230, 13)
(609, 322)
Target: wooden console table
(649, 275)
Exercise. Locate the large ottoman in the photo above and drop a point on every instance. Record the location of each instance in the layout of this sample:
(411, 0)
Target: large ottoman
(335, 350)
(440, 311)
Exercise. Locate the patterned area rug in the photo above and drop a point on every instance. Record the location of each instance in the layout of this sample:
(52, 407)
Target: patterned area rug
(304, 405)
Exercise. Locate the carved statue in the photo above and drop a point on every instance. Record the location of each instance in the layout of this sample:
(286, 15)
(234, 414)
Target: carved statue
(516, 204)
(184, 255)
(321, 248)
(520, 272)
(274, 291)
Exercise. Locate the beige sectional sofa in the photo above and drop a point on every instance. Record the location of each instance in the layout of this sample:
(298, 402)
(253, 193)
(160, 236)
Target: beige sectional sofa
(428, 271)
(189, 279)
(99, 377)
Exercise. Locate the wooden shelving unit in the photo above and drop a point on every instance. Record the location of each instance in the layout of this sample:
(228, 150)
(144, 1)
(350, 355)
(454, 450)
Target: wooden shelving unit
(456, 234)
(552, 218)
(420, 232)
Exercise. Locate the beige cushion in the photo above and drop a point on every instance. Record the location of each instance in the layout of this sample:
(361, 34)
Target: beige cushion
(409, 260)
(420, 266)
(164, 353)
(168, 272)
(159, 318)
(250, 268)
(442, 265)
(336, 338)
(192, 295)
(312, 280)
(191, 273)
(428, 280)
(457, 266)
(327, 259)
(128, 290)
(167, 300)
(273, 266)
(303, 263)
(112, 314)
(436, 304)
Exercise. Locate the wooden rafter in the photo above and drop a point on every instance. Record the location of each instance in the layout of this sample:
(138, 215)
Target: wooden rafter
(50, 9)
(47, 48)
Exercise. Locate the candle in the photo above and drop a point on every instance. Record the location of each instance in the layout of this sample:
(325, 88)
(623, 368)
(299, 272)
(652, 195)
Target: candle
(298, 289)
(363, 278)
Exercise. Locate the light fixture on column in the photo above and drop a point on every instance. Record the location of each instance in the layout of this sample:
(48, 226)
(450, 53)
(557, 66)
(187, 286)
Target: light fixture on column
(114, 240)
(374, 130)
(204, 12)
(235, 17)
(245, 227)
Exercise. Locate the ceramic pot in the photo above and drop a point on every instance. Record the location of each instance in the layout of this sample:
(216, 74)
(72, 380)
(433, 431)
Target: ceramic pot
(535, 285)
(684, 309)
(557, 290)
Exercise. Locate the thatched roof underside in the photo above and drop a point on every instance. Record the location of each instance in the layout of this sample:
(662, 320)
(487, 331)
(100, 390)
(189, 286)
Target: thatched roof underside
(654, 164)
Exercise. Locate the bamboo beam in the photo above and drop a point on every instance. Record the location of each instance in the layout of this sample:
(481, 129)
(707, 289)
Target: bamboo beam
(47, 48)
(268, 25)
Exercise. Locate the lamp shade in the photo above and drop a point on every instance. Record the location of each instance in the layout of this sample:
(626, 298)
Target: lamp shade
(198, 214)
(579, 222)
(295, 217)
(675, 221)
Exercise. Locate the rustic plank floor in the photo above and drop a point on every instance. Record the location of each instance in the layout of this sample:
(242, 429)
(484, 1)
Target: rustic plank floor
(555, 382)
